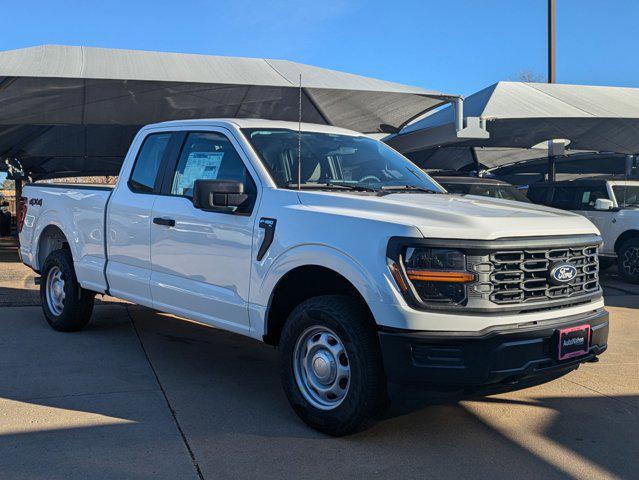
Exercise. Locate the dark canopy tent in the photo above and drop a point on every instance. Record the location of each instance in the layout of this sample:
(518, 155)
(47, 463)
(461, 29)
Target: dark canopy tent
(72, 111)
(469, 158)
(513, 122)
(523, 115)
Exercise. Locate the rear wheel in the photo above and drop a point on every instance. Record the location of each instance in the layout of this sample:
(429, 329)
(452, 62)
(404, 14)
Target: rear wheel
(332, 371)
(66, 306)
(628, 260)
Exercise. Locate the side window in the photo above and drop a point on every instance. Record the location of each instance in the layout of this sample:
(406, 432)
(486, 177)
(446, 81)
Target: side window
(564, 198)
(208, 156)
(589, 195)
(147, 165)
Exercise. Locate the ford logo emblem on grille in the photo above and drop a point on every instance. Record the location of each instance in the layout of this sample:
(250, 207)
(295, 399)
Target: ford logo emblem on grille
(562, 273)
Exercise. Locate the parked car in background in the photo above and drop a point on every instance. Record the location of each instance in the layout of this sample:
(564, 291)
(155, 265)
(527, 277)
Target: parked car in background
(612, 204)
(332, 246)
(483, 187)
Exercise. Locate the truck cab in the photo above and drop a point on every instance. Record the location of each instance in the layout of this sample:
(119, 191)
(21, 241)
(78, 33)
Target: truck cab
(612, 204)
(334, 248)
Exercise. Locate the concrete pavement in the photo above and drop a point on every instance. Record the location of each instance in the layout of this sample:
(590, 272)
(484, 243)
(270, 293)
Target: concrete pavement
(140, 394)
(82, 406)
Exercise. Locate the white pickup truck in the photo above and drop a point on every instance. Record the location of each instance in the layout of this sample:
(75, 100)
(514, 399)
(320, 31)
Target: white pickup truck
(359, 266)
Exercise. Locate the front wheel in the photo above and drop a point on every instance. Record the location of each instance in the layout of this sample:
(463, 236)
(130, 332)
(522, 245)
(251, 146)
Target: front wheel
(628, 260)
(66, 306)
(332, 371)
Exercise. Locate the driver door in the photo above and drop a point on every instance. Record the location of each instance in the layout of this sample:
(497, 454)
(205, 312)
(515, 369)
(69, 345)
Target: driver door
(201, 260)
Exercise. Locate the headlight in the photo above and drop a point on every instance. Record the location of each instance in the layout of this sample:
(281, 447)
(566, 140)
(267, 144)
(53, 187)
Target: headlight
(432, 275)
(434, 259)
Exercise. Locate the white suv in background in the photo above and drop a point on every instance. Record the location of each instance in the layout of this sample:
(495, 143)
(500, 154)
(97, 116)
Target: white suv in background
(612, 204)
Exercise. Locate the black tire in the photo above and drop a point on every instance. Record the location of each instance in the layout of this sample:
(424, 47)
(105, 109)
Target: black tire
(77, 306)
(366, 395)
(628, 260)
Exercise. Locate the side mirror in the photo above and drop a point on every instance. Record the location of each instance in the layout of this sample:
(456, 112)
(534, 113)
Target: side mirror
(604, 204)
(220, 195)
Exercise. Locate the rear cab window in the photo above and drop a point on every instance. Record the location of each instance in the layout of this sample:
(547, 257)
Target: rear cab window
(145, 177)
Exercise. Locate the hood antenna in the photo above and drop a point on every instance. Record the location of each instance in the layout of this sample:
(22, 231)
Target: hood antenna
(299, 139)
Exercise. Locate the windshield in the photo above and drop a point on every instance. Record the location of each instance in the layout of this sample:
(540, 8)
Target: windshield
(505, 192)
(626, 195)
(335, 161)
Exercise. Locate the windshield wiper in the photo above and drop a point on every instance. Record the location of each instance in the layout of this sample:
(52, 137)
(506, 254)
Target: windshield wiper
(357, 187)
(330, 186)
(388, 189)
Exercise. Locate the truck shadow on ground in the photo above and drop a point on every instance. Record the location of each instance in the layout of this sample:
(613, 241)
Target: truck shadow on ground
(24, 297)
(226, 395)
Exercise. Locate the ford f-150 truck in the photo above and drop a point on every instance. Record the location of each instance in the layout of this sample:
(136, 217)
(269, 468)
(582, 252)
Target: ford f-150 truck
(333, 247)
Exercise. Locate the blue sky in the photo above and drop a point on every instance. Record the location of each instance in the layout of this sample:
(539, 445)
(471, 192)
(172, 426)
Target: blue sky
(452, 46)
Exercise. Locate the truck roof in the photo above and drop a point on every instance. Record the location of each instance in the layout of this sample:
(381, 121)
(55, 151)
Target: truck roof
(256, 123)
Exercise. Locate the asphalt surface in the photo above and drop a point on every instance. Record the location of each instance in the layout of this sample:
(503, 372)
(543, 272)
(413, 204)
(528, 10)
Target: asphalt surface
(139, 394)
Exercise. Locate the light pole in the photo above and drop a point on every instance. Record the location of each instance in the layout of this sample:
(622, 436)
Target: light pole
(551, 41)
(552, 167)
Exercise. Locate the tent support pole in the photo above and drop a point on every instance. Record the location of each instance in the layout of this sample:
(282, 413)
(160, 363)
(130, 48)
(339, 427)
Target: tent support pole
(552, 168)
(458, 106)
(18, 189)
(17, 185)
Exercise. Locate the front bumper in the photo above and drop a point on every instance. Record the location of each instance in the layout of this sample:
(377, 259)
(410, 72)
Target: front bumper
(496, 355)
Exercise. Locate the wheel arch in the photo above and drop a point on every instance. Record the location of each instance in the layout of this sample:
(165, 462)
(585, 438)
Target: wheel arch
(299, 284)
(51, 238)
(624, 237)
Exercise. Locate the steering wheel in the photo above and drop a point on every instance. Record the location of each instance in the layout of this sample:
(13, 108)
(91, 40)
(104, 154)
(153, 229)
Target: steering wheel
(370, 177)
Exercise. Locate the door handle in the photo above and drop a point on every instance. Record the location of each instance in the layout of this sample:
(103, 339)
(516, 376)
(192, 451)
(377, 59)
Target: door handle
(167, 222)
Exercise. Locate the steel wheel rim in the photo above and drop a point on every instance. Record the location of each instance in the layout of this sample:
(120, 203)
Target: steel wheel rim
(322, 368)
(54, 290)
(631, 261)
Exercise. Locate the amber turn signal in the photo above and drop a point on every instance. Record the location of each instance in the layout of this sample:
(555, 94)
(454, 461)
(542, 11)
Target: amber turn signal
(398, 277)
(440, 276)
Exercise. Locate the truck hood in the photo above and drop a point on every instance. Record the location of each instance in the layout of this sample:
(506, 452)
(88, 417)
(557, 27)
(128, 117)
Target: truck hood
(453, 216)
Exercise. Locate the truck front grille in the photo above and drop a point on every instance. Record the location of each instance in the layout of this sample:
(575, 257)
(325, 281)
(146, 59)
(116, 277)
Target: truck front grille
(523, 276)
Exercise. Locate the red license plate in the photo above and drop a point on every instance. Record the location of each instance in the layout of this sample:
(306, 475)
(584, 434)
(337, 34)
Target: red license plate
(574, 341)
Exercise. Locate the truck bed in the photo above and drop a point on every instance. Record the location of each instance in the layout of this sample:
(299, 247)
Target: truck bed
(77, 210)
